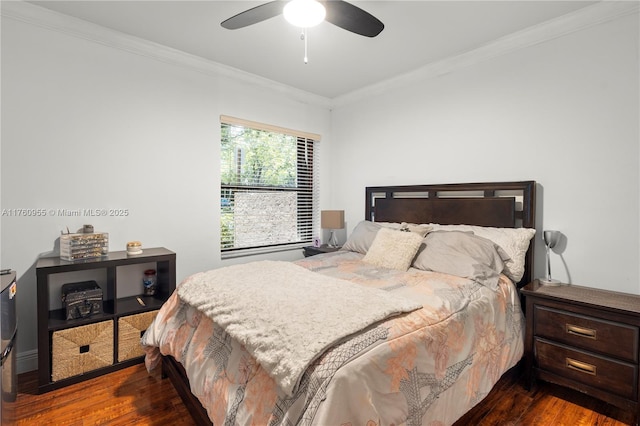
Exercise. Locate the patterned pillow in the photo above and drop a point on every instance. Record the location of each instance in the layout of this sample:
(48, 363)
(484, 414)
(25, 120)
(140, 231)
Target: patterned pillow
(422, 230)
(393, 249)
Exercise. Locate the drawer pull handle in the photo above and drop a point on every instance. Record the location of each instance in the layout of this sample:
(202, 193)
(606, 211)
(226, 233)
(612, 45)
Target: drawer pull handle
(581, 331)
(582, 367)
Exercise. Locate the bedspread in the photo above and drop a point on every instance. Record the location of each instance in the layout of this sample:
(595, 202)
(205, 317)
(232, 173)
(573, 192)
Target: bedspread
(285, 315)
(427, 367)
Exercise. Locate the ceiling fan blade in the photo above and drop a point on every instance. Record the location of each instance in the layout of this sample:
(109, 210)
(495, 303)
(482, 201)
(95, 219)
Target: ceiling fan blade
(254, 15)
(352, 18)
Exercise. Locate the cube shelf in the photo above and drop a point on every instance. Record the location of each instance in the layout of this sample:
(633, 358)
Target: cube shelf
(122, 297)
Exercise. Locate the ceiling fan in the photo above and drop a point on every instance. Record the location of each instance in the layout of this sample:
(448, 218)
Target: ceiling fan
(338, 12)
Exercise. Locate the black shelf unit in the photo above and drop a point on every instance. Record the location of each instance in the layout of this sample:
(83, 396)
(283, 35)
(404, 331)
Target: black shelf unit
(113, 308)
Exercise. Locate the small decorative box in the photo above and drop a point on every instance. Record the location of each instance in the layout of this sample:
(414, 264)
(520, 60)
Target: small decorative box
(84, 246)
(134, 247)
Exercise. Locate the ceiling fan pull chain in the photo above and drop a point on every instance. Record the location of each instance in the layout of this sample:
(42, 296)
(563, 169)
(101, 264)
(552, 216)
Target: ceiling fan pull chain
(304, 37)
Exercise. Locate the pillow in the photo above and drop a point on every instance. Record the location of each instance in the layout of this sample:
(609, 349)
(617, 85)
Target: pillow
(362, 237)
(365, 232)
(462, 254)
(514, 241)
(421, 230)
(393, 249)
(404, 226)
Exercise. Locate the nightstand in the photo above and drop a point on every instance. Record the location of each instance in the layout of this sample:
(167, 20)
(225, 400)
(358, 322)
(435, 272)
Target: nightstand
(586, 339)
(312, 251)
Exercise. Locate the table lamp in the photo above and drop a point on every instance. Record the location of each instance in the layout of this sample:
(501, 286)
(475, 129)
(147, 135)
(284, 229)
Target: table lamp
(550, 239)
(332, 220)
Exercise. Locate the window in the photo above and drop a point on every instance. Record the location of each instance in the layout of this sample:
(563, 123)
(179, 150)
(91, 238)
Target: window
(267, 187)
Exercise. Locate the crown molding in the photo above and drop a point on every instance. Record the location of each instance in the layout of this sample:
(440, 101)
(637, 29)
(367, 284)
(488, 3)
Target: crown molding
(55, 21)
(603, 11)
(589, 16)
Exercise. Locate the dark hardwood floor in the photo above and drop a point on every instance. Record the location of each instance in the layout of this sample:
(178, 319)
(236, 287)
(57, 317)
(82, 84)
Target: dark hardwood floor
(126, 397)
(509, 403)
(133, 397)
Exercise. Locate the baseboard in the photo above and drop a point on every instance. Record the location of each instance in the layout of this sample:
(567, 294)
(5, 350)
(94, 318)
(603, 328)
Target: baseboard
(27, 361)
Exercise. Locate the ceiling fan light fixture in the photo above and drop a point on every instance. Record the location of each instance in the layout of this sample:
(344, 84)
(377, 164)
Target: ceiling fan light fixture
(304, 13)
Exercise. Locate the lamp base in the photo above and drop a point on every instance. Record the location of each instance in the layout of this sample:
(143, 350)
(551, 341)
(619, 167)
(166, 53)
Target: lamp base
(333, 241)
(550, 282)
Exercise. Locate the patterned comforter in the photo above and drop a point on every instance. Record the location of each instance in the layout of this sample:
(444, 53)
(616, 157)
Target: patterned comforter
(427, 367)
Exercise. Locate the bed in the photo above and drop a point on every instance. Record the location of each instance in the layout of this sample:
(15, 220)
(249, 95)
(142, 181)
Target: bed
(422, 365)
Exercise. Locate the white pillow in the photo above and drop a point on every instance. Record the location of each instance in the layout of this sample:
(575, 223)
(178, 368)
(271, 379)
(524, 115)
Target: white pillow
(393, 249)
(514, 241)
(404, 226)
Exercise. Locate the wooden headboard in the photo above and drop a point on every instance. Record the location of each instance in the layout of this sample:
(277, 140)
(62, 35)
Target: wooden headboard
(497, 204)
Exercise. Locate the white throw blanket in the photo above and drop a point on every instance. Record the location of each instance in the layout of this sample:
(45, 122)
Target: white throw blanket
(286, 315)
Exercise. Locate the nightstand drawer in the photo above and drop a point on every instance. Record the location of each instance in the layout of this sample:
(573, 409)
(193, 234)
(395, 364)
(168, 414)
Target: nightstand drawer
(613, 376)
(585, 332)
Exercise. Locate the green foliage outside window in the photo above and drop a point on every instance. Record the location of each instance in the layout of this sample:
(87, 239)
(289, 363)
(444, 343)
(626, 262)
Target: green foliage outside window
(255, 157)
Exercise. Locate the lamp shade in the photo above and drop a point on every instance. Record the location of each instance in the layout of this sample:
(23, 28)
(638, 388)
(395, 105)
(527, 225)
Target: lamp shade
(332, 219)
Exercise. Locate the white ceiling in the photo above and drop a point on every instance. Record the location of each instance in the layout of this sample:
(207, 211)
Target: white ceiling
(416, 34)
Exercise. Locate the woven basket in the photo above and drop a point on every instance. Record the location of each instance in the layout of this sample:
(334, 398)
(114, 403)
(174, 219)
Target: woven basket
(80, 349)
(130, 330)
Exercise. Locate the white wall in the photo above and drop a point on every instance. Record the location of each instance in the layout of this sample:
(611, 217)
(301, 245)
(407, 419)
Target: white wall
(563, 113)
(85, 125)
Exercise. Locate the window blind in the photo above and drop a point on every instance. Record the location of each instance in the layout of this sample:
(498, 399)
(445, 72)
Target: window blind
(268, 187)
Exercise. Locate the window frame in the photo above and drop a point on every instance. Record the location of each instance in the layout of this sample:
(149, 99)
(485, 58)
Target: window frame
(306, 185)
